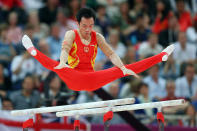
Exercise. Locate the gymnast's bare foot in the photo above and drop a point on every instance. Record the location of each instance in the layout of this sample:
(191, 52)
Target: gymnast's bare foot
(169, 51)
(27, 43)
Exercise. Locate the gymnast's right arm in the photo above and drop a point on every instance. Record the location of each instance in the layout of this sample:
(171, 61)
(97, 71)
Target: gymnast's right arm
(66, 46)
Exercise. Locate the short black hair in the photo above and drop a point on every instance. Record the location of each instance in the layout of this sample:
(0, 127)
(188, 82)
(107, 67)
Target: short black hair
(28, 76)
(189, 65)
(142, 84)
(3, 27)
(29, 27)
(6, 99)
(151, 35)
(100, 6)
(179, 1)
(85, 12)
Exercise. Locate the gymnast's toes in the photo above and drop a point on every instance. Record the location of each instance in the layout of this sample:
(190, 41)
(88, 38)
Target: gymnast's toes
(169, 49)
(27, 43)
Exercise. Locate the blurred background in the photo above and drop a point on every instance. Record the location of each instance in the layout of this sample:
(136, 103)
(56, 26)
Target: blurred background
(135, 29)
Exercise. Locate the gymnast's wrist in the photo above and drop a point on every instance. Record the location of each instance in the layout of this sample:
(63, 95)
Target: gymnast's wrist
(62, 63)
(122, 68)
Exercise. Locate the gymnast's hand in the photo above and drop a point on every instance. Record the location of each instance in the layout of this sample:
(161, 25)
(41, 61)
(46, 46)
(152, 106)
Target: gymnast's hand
(61, 65)
(128, 72)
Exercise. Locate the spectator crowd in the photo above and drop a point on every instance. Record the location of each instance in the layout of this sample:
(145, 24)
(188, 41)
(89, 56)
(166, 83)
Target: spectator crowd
(135, 29)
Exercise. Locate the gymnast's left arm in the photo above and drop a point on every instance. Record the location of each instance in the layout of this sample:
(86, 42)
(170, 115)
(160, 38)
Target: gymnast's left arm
(115, 59)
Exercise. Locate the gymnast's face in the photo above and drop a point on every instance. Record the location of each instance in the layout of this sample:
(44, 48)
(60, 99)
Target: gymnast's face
(86, 26)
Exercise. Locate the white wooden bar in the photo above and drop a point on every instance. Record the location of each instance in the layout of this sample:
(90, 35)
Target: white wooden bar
(121, 108)
(73, 107)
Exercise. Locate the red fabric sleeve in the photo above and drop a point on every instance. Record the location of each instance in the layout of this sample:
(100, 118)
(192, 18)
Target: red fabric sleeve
(160, 25)
(18, 3)
(12, 3)
(185, 21)
(156, 27)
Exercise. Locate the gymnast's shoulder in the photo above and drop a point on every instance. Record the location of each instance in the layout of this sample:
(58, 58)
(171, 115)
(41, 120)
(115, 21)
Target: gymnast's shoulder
(99, 37)
(70, 34)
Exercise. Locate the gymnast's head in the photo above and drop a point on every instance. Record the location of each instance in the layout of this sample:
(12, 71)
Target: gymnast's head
(86, 18)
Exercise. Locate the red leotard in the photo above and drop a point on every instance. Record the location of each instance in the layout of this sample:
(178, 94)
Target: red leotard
(82, 57)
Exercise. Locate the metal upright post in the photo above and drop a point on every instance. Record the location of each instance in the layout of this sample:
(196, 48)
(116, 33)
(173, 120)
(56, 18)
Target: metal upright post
(106, 125)
(160, 119)
(25, 129)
